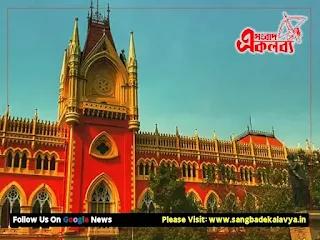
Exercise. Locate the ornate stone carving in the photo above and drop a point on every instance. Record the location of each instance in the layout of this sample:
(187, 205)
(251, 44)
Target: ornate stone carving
(103, 147)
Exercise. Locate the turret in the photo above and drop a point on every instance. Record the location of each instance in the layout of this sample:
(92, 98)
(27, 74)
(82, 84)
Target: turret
(132, 67)
(72, 115)
(62, 87)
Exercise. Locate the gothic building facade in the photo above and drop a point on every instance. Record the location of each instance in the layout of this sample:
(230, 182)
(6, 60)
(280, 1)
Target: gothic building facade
(95, 159)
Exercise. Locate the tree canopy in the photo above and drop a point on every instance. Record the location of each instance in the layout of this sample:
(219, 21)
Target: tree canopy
(169, 195)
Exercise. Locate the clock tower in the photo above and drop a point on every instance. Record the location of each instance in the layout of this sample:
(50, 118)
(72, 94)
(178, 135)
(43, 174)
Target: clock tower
(98, 101)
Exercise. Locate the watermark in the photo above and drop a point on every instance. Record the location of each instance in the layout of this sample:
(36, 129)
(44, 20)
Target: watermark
(281, 42)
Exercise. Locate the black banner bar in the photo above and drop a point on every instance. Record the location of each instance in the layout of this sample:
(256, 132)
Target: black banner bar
(160, 220)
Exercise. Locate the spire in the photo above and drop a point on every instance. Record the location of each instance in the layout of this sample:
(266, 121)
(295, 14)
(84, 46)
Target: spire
(214, 135)
(35, 114)
(132, 61)
(177, 131)
(7, 111)
(64, 62)
(75, 36)
(156, 130)
(196, 133)
(232, 137)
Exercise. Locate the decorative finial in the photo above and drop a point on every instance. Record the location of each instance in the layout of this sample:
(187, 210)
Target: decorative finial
(177, 131)
(76, 19)
(156, 131)
(132, 58)
(108, 12)
(91, 8)
(97, 13)
(214, 135)
(273, 130)
(7, 111)
(232, 137)
(36, 113)
(196, 133)
(299, 145)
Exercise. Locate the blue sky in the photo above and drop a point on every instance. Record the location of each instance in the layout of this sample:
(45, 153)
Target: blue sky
(190, 75)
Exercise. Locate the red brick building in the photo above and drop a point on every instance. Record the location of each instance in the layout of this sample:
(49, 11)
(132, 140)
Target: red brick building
(94, 159)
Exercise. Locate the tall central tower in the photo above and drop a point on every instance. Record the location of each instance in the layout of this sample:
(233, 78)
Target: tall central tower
(96, 81)
(98, 100)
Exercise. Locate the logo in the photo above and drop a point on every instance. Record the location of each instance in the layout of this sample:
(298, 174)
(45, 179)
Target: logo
(281, 42)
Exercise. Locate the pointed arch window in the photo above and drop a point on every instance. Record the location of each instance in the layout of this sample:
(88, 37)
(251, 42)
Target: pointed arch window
(194, 171)
(241, 174)
(189, 171)
(9, 160)
(16, 162)
(10, 204)
(147, 168)
(152, 168)
(24, 160)
(141, 169)
(250, 175)
(45, 163)
(53, 163)
(39, 163)
(42, 203)
(212, 204)
(101, 199)
(184, 170)
(204, 172)
(246, 174)
(147, 204)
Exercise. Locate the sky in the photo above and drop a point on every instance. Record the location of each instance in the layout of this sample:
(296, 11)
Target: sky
(190, 74)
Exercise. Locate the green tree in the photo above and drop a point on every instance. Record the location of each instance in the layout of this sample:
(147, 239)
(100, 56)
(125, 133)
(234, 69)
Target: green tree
(272, 197)
(169, 195)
